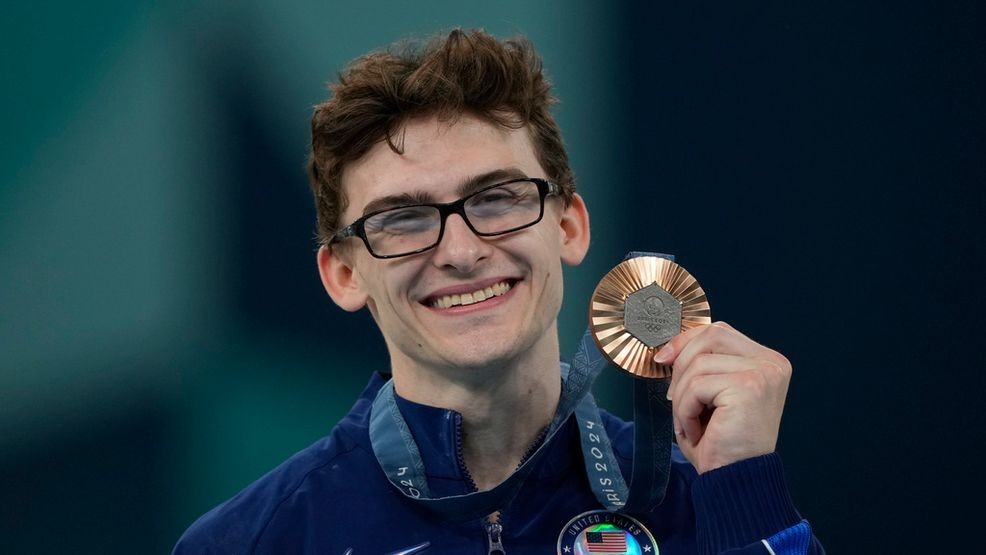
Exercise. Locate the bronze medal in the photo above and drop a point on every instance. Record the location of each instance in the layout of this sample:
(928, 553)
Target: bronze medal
(639, 306)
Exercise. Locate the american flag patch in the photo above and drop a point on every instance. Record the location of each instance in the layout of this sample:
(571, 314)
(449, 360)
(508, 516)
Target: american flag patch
(606, 542)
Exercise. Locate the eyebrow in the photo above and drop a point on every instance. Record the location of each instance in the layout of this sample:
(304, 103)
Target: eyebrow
(465, 188)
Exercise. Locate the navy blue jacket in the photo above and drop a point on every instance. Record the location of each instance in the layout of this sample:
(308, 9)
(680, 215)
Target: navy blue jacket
(333, 498)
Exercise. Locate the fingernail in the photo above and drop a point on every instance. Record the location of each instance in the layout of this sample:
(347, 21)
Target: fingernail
(664, 354)
(677, 429)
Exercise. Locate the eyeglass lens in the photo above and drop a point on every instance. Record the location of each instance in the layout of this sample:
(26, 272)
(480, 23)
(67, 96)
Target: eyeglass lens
(491, 211)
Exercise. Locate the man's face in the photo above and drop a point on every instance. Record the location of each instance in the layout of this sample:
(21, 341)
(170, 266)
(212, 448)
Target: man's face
(408, 296)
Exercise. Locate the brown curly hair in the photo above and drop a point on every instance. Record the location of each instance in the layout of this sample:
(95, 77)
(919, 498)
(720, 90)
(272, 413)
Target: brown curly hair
(499, 81)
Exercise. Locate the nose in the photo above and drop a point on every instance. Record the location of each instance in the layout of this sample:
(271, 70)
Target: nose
(460, 248)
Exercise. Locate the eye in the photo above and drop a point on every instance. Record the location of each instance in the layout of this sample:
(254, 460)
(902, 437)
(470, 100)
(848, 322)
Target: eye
(502, 198)
(411, 219)
(499, 194)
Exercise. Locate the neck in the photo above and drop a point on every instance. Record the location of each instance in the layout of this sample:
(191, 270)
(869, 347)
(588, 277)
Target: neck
(499, 431)
(504, 406)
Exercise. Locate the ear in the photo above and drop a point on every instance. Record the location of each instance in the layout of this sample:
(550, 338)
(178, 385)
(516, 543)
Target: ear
(574, 231)
(339, 279)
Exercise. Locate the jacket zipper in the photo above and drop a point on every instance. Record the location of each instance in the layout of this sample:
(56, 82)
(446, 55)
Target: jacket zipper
(493, 533)
(494, 530)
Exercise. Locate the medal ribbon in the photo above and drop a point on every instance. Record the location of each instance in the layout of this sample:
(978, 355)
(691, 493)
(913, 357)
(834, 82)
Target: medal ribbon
(398, 455)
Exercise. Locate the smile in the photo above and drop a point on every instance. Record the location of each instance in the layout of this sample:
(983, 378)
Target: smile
(477, 296)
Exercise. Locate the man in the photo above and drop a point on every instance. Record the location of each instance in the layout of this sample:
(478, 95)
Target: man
(446, 207)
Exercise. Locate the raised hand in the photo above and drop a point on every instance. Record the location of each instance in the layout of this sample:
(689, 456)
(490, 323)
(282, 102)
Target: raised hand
(727, 393)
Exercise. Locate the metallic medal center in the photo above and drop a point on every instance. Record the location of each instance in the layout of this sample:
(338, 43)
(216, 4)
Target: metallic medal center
(652, 315)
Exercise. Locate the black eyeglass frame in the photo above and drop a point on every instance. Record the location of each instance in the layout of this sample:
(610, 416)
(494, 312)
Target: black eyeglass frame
(356, 229)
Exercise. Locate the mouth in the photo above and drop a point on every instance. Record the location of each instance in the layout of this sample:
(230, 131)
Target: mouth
(479, 295)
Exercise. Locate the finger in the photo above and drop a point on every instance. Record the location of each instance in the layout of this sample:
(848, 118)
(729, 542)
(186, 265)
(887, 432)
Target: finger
(705, 364)
(674, 345)
(667, 353)
(719, 338)
(699, 398)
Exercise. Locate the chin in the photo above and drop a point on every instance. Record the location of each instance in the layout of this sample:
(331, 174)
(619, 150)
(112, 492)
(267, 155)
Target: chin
(484, 359)
(479, 353)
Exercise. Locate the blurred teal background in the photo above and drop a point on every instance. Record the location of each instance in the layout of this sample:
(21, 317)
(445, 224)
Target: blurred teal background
(164, 339)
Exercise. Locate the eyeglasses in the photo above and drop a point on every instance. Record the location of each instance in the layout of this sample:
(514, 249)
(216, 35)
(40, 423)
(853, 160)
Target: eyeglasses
(498, 209)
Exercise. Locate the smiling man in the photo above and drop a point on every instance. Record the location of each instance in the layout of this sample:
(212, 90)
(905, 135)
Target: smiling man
(446, 207)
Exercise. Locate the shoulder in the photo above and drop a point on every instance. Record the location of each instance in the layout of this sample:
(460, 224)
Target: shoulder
(237, 524)
(333, 466)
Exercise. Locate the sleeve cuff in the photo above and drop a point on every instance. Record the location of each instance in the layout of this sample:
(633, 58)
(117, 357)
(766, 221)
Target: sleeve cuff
(741, 503)
(790, 541)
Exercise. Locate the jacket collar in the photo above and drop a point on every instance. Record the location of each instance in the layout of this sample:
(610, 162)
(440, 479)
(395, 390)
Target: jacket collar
(438, 433)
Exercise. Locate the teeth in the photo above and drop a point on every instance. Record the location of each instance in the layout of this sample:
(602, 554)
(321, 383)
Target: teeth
(477, 296)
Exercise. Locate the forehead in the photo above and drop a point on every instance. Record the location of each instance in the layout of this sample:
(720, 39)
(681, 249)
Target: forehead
(436, 159)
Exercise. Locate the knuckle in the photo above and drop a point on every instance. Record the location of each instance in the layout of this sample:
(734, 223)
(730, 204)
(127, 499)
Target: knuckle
(704, 329)
(700, 381)
(756, 383)
(701, 361)
(778, 363)
(773, 376)
(784, 364)
(677, 409)
(786, 371)
(718, 328)
(677, 369)
(715, 332)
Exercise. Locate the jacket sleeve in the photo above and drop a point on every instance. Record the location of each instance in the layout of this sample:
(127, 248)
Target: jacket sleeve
(744, 508)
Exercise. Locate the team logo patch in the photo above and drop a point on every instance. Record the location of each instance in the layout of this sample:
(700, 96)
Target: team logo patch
(605, 532)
